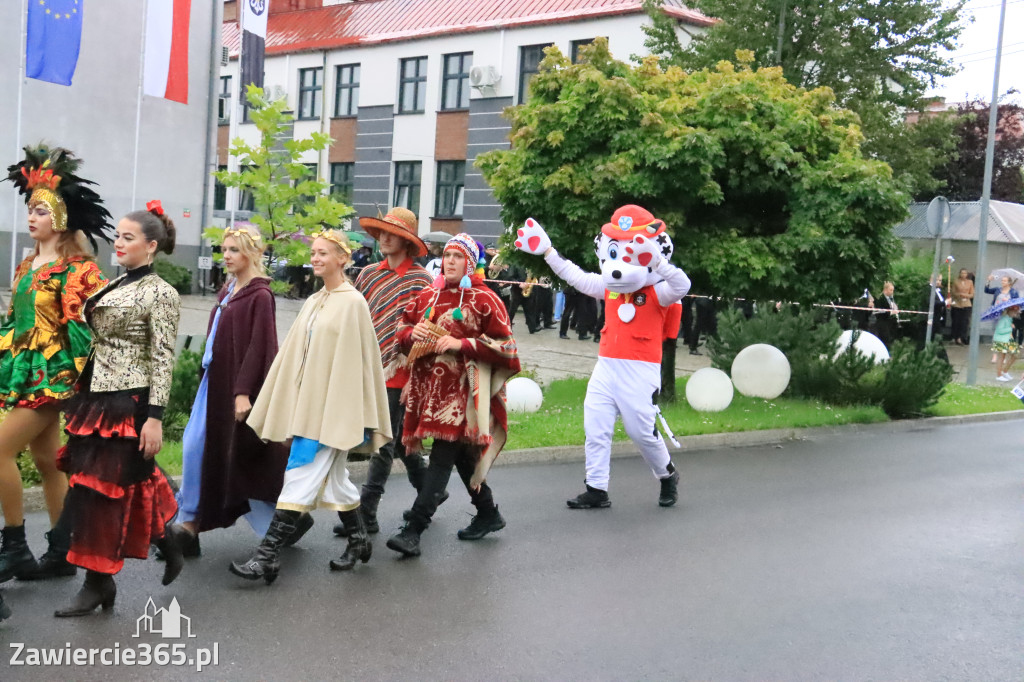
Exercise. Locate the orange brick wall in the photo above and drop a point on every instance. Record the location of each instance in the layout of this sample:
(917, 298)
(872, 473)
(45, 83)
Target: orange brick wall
(343, 130)
(451, 135)
(223, 141)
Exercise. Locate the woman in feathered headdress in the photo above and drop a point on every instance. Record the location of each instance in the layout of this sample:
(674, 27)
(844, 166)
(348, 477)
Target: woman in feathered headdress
(44, 343)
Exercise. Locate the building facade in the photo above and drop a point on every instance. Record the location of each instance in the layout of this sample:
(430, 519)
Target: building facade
(99, 118)
(412, 93)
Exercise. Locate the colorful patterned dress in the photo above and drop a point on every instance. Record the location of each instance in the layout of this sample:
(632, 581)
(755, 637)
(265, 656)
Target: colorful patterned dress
(45, 342)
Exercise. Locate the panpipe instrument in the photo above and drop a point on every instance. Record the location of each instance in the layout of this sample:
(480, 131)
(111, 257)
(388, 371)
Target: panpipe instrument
(426, 346)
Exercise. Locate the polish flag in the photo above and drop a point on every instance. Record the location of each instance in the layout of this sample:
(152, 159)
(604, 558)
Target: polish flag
(166, 62)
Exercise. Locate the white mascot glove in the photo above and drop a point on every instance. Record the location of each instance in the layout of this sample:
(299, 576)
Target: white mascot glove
(643, 251)
(532, 238)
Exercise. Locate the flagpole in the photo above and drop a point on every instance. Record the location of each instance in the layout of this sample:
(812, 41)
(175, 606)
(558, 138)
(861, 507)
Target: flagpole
(236, 111)
(17, 132)
(138, 106)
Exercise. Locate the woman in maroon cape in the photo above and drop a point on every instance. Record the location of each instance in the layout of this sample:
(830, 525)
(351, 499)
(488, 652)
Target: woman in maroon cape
(228, 471)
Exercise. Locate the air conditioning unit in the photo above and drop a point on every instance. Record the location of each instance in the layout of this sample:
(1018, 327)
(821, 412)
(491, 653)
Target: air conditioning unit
(224, 55)
(483, 76)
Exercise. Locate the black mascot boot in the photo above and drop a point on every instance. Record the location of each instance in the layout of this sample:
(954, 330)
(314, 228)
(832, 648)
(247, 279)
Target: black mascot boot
(15, 556)
(98, 590)
(669, 487)
(486, 521)
(302, 526)
(592, 499)
(407, 540)
(54, 562)
(359, 546)
(264, 563)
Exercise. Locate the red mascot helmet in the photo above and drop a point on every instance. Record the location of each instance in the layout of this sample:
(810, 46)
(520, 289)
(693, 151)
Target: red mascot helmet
(630, 221)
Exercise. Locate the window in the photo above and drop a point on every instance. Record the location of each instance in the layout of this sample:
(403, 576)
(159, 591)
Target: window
(451, 177)
(412, 85)
(346, 90)
(407, 185)
(529, 65)
(574, 48)
(310, 86)
(246, 201)
(224, 101)
(220, 192)
(455, 81)
(341, 180)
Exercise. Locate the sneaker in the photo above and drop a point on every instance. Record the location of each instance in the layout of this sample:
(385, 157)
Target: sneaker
(1009, 377)
(1003, 377)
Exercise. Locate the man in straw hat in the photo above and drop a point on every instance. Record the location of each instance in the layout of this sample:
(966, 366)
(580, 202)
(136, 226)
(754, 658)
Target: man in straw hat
(388, 287)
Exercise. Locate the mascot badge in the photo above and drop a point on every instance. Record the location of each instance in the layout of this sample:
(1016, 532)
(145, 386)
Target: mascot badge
(639, 287)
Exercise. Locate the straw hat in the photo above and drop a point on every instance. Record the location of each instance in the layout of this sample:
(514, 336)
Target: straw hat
(399, 221)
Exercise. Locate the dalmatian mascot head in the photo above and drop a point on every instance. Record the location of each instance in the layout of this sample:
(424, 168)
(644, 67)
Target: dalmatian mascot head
(624, 249)
(630, 248)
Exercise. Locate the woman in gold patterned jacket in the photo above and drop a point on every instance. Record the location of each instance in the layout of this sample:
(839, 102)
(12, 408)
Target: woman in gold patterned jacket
(120, 501)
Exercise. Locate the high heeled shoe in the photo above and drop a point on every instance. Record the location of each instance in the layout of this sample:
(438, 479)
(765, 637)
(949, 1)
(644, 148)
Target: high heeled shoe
(265, 563)
(170, 546)
(98, 589)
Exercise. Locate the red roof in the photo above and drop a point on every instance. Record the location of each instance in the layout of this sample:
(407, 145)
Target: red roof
(381, 21)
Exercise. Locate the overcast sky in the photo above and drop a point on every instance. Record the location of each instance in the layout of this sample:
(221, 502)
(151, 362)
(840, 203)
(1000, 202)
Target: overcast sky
(976, 53)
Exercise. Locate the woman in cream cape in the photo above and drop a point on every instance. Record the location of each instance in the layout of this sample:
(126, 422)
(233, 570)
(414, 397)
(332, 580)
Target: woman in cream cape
(325, 392)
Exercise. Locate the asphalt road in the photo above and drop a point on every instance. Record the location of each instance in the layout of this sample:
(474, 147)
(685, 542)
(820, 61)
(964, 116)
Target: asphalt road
(859, 557)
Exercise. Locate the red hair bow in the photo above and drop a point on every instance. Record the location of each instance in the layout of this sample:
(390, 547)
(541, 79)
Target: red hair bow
(155, 207)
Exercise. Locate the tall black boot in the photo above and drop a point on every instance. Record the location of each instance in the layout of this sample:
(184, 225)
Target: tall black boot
(15, 556)
(359, 546)
(54, 562)
(669, 487)
(302, 526)
(99, 589)
(264, 563)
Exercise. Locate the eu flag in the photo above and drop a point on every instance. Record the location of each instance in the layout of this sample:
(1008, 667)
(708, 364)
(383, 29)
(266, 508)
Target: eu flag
(54, 36)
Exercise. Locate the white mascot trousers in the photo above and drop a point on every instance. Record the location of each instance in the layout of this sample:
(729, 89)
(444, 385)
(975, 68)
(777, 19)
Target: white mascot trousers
(622, 387)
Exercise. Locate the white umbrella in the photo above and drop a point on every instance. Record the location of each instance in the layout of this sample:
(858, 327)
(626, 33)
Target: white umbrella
(1014, 275)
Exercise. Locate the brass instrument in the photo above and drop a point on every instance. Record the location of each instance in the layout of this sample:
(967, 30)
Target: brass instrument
(531, 281)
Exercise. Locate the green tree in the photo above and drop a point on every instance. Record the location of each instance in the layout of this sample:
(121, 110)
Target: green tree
(878, 58)
(762, 184)
(287, 197)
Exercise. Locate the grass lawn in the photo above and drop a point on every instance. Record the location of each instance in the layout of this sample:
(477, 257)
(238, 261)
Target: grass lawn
(560, 420)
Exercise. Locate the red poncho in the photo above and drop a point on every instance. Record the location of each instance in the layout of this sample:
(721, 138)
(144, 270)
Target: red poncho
(460, 396)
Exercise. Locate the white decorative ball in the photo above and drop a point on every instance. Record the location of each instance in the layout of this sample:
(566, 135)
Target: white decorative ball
(523, 395)
(867, 344)
(709, 390)
(761, 371)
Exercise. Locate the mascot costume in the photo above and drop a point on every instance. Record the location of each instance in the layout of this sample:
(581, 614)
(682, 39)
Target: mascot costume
(639, 287)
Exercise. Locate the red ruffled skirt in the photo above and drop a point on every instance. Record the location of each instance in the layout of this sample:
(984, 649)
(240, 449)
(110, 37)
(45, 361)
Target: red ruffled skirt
(118, 500)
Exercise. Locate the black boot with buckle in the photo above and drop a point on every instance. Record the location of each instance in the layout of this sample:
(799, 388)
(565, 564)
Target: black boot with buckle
(359, 546)
(264, 564)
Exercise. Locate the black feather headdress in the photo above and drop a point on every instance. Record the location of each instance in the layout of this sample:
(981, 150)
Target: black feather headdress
(51, 172)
